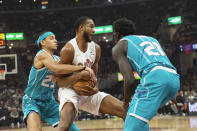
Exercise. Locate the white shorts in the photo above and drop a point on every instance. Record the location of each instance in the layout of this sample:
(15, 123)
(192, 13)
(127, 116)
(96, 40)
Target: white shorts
(89, 104)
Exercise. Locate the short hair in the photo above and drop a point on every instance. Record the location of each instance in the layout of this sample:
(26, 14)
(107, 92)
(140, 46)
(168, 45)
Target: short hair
(124, 26)
(79, 21)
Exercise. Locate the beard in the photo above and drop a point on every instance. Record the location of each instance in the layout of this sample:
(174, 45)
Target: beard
(86, 37)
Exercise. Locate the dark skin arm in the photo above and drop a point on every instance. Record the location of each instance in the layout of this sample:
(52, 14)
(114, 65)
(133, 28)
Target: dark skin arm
(66, 57)
(69, 80)
(119, 53)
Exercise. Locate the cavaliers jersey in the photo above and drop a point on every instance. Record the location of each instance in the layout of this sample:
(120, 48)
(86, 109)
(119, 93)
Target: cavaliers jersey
(40, 85)
(144, 53)
(83, 58)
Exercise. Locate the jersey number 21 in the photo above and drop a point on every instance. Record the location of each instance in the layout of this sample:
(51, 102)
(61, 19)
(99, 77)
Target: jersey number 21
(152, 46)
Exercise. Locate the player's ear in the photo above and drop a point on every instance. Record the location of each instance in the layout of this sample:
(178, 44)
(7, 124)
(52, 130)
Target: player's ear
(81, 27)
(42, 42)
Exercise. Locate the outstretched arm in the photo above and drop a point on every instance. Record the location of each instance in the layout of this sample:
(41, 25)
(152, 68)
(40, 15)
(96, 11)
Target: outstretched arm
(119, 54)
(69, 80)
(45, 60)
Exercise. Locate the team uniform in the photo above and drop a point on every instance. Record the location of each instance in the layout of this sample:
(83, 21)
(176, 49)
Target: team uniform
(89, 104)
(39, 95)
(159, 81)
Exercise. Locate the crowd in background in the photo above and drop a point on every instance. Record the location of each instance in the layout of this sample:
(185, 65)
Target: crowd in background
(12, 90)
(61, 22)
(51, 4)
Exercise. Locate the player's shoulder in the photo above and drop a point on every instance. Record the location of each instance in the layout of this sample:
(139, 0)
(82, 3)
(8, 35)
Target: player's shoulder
(68, 48)
(73, 40)
(42, 55)
(142, 37)
(97, 46)
(120, 47)
(130, 37)
(69, 45)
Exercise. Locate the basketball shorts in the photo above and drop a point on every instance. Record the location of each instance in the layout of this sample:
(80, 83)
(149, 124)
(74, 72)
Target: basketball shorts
(89, 104)
(48, 111)
(155, 89)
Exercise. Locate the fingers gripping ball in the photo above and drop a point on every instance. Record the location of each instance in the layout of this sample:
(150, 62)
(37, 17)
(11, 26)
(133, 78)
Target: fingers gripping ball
(83, 84)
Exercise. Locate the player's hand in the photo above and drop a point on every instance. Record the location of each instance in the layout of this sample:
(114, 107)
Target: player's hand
(92, 75)
(85, 75)
(91, 91)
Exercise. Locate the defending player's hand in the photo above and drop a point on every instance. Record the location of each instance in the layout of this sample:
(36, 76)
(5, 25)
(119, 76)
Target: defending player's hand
(85, 75)
(92, 75)
(91, 91)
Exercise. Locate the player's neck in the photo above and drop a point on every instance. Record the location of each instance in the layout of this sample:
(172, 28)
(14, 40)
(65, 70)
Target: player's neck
(82, 44)
(48, 51)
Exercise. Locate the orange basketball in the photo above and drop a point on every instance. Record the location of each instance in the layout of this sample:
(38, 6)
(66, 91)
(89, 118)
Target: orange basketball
(83, 84)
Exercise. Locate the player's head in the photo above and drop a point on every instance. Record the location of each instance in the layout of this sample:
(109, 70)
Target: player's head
(84, 26)
(123, 27)
(46, 39)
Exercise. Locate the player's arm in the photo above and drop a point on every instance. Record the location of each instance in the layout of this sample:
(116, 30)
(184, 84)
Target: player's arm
(66, 57)
(45, 60)
(119, 54)
(71, 79)
(95, 65)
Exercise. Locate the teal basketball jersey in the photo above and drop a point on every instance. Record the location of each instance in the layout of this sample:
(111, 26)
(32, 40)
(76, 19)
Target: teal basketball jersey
(40, 85)
(144, 53)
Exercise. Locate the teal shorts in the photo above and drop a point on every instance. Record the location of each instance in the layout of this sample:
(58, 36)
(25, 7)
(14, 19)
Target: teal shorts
(155, 89)
(47, 109)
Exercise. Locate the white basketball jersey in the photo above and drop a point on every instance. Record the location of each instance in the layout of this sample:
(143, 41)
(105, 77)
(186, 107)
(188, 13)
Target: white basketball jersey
(84, 58)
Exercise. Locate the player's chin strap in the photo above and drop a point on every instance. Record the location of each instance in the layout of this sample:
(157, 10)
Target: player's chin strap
(139, 117)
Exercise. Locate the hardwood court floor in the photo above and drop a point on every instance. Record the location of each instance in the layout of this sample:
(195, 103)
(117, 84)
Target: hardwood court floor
(165, 123)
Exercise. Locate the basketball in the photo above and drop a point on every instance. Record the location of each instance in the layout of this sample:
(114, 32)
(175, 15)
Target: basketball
(83, 84)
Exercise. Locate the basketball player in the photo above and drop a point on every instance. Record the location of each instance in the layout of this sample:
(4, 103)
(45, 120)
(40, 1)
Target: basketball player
(38, 101)
(159, 79)
(81, 50)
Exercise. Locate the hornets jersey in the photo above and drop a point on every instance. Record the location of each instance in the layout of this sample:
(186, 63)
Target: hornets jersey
(40, 85)
(144, 53)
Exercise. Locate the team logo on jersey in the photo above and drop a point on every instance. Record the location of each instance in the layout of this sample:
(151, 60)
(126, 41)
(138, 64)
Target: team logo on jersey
(87, 63)
(140, 93)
